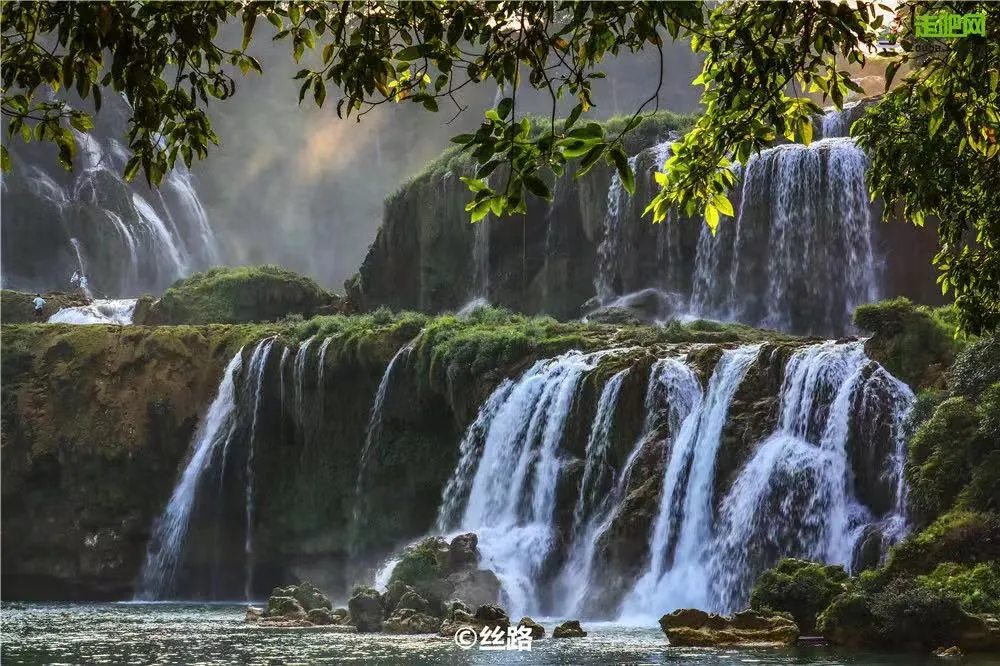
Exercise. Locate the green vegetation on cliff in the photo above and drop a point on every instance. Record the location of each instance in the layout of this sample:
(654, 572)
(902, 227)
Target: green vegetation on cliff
(16, 307)
(225, 295)
(798, 587)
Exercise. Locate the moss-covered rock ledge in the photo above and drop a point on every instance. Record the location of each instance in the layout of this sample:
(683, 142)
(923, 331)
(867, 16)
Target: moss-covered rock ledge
(16, 307)
(226, 295)
(97, 422)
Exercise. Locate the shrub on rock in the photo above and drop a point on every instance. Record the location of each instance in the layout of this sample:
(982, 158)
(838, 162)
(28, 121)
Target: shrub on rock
(800, 588)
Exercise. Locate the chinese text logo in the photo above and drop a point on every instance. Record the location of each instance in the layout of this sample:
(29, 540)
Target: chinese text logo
(494, 638)
(949, 25)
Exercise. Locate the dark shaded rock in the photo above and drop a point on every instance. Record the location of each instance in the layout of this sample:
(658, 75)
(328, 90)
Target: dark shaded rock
(413, 601)
(285, 607)
(492, 615)
(569, 629)
(696, 628)
(321, 616)
(410, 621)
(253, 614)
(396, 590)
(537, 630)
(366, 609)
(475, 588)
(800, 588)
(464, 552)
(310, 597)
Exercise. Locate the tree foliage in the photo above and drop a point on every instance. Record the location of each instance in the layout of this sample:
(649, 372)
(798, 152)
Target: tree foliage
(932, 139)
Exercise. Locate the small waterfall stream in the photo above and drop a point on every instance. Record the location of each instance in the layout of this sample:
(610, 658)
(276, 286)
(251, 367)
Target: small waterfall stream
(166, 545)
(100, 311)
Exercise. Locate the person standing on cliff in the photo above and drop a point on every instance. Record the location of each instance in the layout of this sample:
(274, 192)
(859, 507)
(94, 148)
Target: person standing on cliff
(39, 303)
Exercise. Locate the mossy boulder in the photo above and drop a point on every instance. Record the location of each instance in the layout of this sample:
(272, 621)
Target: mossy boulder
(962, 537)
(285, 607)
(689, 627)
(537, 631)
(411, 621)
(915, 343)
(16, 307)
(226, 295)
(366, 609)
(306, 594)
(977, 587)
(904, 614)
(800, 588)
(569, 629)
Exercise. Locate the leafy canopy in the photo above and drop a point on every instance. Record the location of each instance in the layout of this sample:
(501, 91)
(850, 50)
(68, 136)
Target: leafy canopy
(932, 140)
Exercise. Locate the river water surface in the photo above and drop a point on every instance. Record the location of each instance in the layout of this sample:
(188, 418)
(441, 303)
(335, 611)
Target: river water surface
(166, 633)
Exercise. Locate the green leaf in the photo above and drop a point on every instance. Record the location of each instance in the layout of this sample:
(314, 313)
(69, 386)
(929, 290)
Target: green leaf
(722, 203)
(409, 53)
(431, 104)
(537, 186)
(590, 159)
(625, 172)
(249, 18)
(890, 72)
(712, 217)
(5, 158)
(481, 210)
(319, 92)
(504, 108)
(463, 139)
(574, 115)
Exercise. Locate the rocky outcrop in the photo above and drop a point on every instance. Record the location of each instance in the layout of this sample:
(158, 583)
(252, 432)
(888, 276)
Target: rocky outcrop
(226, 295)
(16, 307)
(569, 629)
(410, 621)
(487, 615)
(696, 628)
(537, 631)
(802, 589)
(366, 609)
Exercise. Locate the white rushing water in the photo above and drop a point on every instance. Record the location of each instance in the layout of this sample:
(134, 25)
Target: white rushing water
(255, 378)
(687, 488)
(166, 546)
(609, 250)
(100, 311)
(511, 501)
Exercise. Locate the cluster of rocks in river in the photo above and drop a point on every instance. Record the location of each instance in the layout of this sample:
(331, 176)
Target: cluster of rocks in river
(433, 589)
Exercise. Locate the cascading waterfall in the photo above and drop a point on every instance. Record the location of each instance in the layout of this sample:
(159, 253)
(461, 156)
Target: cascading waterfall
(135, 239)
(166, 545)
(255, 372)
(101, 311)
(800, 257)
(688, 483)
(511, 502)
(373, 435)
(299, 381)
(609, 250)
(796, 496)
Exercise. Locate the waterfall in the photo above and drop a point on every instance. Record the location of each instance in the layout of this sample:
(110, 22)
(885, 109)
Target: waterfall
(135, 239)
(837, 123)
(511, 504)
(592, 502)
(796, 496)
(299, 382)
(255, 377)
(373, 434)
(609, 250)
(166, 545)
(800, 257)
(100, 311)
(688, 486)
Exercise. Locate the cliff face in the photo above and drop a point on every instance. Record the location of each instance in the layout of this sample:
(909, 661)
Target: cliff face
(96, 420)
(98, 423)
(801, 218)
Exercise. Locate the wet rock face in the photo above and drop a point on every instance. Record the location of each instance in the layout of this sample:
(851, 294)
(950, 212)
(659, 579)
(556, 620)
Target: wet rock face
(410, 621)
(366, 610)
(569, 629)
(696, 628)
(537, 630)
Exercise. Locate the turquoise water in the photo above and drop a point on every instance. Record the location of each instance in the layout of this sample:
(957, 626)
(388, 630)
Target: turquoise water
(215, 634)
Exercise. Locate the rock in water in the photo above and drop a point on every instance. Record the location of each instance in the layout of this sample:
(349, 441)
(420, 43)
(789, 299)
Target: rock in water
(285, 607)
(397, 590)
(949, 653)
(475, 587)
(321, 616)
(487, 615)
(464, 552)
(537, 630)
(491, 615)
(310, 598)
(695, 628)
(253, 614)
(413, 601)
(569, 629)
(366, 609)
(409, 621)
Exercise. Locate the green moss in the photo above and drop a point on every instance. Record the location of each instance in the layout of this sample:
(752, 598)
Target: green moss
(418, 565)
(239, 295)
(976, 586)
(902, 614)
(976, 368)
(962, 537)
(913, 342)
(798, 587)
(16, 307)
